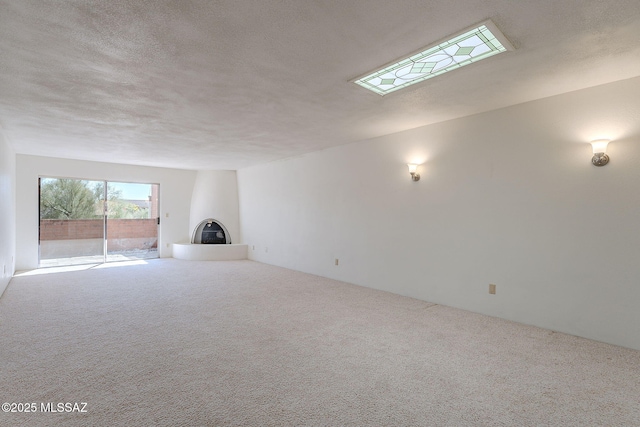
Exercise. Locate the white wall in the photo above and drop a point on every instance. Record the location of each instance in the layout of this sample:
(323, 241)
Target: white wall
(215, 195)
(175, 198)
(508, 197)
(7, 213)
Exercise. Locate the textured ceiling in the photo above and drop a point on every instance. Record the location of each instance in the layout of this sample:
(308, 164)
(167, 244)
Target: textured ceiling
(233, 83)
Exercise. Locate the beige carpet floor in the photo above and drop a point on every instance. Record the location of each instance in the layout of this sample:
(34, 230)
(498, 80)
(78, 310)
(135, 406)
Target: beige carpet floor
(179, 343)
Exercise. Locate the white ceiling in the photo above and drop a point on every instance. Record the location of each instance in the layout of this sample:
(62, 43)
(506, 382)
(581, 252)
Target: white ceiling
(232, 83)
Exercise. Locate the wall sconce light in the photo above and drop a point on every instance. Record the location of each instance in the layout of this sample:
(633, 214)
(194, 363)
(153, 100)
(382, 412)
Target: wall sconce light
(600, 157)
(412, 171)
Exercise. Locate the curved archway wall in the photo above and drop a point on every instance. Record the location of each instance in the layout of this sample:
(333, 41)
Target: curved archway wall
(215, 195)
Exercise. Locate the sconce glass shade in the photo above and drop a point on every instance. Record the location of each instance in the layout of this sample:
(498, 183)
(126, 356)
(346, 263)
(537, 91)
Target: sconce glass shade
(600, 157)
(600, 146)
(412, 171)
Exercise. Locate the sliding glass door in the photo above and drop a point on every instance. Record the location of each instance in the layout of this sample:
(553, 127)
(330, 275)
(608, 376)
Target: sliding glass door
(71, 221)
(132, 221)
(83, 221)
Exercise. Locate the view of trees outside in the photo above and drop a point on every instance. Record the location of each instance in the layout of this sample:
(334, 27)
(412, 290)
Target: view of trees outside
(78, 199)
(67, 199)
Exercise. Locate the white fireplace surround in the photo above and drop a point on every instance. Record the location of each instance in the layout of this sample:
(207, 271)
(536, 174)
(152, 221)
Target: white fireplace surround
(200, 252)
(197, 251)
(215, 195)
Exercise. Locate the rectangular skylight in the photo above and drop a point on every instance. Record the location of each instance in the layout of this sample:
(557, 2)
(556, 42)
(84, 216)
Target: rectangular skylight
(472, 45)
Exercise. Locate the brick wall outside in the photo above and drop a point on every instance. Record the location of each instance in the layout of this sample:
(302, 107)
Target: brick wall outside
(56, 229)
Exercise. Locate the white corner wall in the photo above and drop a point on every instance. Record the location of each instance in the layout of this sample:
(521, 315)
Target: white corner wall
(7, 213)
(175, 198)
(508, 197)
(215, 195)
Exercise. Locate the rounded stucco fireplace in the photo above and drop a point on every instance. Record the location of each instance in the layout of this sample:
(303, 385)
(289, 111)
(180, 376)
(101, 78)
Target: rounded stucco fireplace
(210, 241)
(214, 197)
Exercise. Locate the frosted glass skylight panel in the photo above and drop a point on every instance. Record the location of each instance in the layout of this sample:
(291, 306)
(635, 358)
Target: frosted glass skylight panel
(471, 45)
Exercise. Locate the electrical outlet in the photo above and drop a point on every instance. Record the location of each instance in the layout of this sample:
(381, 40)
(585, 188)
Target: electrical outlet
(167, 244)
(253, 247)
(492, 289)
(266, 249)
(337, 261)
